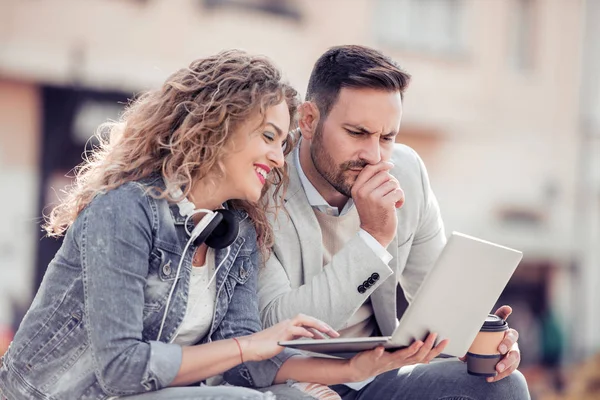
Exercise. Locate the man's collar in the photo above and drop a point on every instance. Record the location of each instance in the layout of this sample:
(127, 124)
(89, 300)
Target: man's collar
(314, 197)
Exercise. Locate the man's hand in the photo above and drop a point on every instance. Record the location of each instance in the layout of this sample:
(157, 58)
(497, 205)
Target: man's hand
(508, 347)
(377, 361)
(377, 194)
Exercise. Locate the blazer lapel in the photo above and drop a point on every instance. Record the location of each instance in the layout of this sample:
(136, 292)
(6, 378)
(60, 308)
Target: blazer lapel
(305, 222)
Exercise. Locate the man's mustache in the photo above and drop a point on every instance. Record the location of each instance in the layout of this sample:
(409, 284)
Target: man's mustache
(355, 164)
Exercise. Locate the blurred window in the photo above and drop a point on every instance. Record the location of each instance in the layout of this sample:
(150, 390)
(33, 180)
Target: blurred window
(521, 31)
(285, 8)
(435, 26)
(90, 114)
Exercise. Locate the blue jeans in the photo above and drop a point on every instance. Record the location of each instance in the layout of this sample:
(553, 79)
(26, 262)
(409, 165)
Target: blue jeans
(202, 393)
(443, 380)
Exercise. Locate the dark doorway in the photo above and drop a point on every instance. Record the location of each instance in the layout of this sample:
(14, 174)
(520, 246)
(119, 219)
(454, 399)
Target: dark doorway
(70, 117)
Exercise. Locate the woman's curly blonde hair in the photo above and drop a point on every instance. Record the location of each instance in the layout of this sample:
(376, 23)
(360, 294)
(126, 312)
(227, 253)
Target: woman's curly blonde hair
(182, 131)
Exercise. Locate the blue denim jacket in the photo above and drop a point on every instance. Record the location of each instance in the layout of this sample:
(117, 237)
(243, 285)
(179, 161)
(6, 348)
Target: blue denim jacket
(91, 331)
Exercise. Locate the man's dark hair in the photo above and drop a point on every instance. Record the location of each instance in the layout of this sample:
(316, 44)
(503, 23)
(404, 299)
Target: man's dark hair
(352, 67)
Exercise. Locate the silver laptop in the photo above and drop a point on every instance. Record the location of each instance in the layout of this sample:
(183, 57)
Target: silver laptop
(453, 301)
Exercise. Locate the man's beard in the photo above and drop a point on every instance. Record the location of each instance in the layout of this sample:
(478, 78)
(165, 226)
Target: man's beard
(325, 165)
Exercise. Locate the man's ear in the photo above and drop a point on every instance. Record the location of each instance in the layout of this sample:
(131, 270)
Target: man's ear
(309, 119)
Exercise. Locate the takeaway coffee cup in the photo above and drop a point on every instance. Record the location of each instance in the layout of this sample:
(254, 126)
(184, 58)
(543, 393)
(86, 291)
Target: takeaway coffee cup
(483, 355)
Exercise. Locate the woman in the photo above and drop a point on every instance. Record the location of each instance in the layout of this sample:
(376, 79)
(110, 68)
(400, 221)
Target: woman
(135, 304)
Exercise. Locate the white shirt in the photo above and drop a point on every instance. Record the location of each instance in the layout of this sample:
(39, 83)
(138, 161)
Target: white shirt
(201, 303)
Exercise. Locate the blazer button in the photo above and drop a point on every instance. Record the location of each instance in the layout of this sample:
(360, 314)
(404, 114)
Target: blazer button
(167, 268)
(366, 284)
(371, 281)
(361, 289)
(375, 276)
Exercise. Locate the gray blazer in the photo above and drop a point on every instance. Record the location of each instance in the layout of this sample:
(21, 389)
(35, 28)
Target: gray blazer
(295, 281)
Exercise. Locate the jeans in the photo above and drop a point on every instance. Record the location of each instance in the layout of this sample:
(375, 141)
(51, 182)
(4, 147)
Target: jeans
(202, 393)
(441, 380)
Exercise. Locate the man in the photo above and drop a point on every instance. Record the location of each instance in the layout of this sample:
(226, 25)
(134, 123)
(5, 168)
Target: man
(360, 217)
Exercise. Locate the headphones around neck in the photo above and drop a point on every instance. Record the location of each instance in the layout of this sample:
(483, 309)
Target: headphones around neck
(218, 229)
(221, 230)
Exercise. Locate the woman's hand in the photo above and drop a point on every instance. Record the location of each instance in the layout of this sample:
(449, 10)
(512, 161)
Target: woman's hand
(263, 345)
(377, 361)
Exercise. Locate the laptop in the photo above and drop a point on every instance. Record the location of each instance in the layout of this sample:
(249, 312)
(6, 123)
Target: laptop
(454, 299)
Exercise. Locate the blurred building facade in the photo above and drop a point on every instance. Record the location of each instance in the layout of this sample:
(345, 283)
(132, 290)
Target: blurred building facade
(504, 107)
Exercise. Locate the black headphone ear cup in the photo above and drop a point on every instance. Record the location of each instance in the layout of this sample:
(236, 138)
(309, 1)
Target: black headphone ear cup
(208, 230)
(225, 233)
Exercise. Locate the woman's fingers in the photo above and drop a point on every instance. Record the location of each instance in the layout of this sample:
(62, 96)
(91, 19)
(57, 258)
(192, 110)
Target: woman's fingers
(305, 320)
(317, 334)
(298, 331)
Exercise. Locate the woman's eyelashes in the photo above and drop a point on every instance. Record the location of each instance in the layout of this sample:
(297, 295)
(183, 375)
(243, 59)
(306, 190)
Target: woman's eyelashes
(269, 136)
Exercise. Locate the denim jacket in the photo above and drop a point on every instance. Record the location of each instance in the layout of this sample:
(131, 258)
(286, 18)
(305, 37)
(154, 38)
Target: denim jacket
(91, 331)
